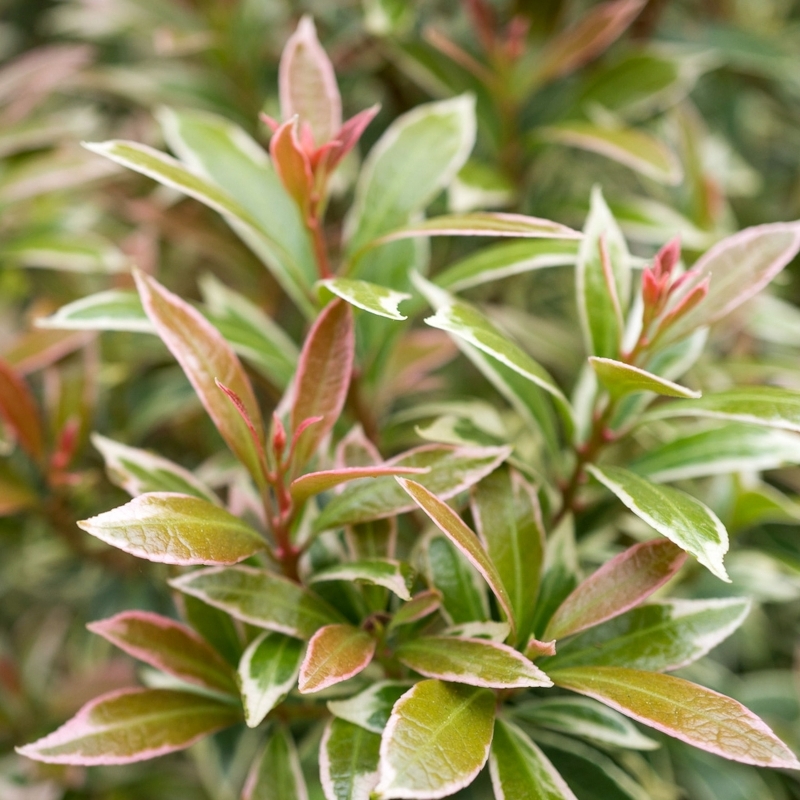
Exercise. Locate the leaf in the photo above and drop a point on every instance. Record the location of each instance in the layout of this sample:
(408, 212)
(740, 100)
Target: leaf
(739, 267)
(683, 520)
(658, 637)
(506, 260)
(83, 252)
(731, 448)
(417, 156)
(418, 607)
(482, 223)
(590, 36)
(476, 662)
(15, 494)
(20, 412)
(315, 482)
(132, 725)
(436, 741)
(601, 311)
(467, 323)
(371, 708)
(621, 379)
(397, 576)
(259, 597)
(691, 713)
(307, 84)
(520, 770)
(452, 470)
(169, 646)
(632, 147)
(277, 774)
(580, 716)
(348, 761)
(206, 358)
(460, 584)
(367, 296)
(335, 653)
(509, 521)
(268, 671)
(768, 406)
(175, 529)
(140, 472)
(620, 584)
(323, 377)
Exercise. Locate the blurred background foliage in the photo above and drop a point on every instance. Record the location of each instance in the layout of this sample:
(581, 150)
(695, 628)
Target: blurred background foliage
(690, 121)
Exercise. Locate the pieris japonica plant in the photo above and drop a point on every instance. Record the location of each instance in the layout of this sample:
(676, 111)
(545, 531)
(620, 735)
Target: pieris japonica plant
(406, 599)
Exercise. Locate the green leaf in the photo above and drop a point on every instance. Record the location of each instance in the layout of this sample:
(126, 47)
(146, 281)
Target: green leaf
(632, 147)
(335, 653)
(452, 470)
(348, 761)
(259, 597)
(397, 576)
(132, 725)
(467, 323)
(476, 662)
(506, 260)
(176, 529)
(462, 589)
(169, 646)
(689, 712)
(112, 310)
(620, 584)
(437, 740)
(509, 521)
(464, 539)
(82, 252)
(316, 482)
(768, 406)
(208, 360)
(268, 671)
(520, 770)
(418, 607)
(277, 774)
(371, 708)
(658, 637)
(731, 448)
(139, 472)
(674, 514)
(621, 379)
(580, 716)
(367, 296)
(601, 311)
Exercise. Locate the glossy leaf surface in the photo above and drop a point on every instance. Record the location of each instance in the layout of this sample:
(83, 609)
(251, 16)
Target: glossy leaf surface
(476, 662)
(315, 482)
(176, 529)
(368, 296)
(674, 514)
(397, 576)
(691, 713)
(259, 597)
(417, 608)
(169, 646)
(132, 725)
(335, 653)
(621, 379)
(620, 584)
(348, 763)
(371, 708)
(268, 671)
(277, 774)
(437, 740)
(463, 591)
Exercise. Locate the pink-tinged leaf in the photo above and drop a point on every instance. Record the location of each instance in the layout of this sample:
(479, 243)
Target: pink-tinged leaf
(335, 653)
(206, 357)
(169, 646)
(619, 585)
(537, 649)
(307, 84)
(323, 376)
(587, 38)
(292, 164)
(348, 136)
(316, 482)
(20, 412)
(476, 662)
(464, 539)
(356, 450)
(483, 223)
(176, 529)
(243, 413)
(38, 349)
(132, 725)
(691, 713)
(739, 267)
(418, 607)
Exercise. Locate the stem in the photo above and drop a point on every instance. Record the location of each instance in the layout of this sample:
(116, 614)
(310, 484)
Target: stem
(320, 247)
